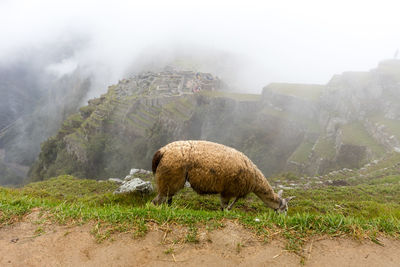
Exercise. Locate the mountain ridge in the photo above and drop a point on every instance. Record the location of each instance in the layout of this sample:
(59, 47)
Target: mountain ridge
(307, 129)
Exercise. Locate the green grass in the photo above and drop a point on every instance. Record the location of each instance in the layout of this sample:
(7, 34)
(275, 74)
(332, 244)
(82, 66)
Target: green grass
(355, 134)
(311, 125)
(302, 152)
(392, 126)
(306, 91)
(325, 147)
(235, 96)
(356, 211)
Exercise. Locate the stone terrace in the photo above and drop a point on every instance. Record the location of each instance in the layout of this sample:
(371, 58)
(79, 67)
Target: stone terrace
(167, 83)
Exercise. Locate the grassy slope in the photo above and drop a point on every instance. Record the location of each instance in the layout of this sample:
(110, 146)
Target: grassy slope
(325, 147)
(355, 134)
(392, 126)
(306, 91)
(233, 95)
(302, 152)
(363, 210)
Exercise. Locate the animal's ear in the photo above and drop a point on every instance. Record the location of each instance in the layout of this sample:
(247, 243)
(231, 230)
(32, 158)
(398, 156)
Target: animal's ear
(280, 193)
(290, 198)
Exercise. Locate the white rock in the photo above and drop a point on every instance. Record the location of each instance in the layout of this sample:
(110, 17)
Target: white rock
(284, 187)
(135, 185)
(133, 171)
(139, 171)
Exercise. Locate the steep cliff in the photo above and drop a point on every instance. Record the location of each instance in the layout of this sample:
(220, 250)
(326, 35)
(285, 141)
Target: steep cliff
(32, 107)
(358, 114)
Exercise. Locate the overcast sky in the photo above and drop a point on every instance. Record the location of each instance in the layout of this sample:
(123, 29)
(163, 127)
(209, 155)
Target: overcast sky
(271, 41)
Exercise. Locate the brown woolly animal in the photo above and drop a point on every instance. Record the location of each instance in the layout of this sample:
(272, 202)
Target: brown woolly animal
(211, 168)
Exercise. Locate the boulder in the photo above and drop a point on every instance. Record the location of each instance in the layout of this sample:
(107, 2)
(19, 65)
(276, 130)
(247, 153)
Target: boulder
(135, 185)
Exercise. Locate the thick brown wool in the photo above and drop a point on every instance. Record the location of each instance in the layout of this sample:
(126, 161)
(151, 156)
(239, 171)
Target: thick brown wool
(210, 168)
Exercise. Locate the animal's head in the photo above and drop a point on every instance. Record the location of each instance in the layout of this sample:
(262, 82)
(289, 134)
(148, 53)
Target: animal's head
(283, 206)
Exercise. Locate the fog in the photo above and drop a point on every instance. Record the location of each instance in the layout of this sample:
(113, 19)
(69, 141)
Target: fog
(250, 43)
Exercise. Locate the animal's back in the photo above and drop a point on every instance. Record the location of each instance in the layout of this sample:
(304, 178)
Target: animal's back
(209, 167)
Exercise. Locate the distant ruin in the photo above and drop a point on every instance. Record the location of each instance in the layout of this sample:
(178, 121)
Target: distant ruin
(168, 82)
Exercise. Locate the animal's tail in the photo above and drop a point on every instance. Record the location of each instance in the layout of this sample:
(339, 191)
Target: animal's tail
(156, 160)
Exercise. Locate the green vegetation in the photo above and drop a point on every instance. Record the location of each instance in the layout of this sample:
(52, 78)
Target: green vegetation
(355, 134)
(235, 96)
(364, 210)
(306, 91)
(325, 148)
(302, 152)
(392, 126)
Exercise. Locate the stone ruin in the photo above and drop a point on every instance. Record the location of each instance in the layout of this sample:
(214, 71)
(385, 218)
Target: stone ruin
(168, 82)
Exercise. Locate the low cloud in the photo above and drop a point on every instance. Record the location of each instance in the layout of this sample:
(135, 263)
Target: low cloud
(256, 42)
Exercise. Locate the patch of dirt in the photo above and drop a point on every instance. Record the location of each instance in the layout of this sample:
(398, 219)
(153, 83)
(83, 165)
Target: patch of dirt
(33, 242)
(344, 252)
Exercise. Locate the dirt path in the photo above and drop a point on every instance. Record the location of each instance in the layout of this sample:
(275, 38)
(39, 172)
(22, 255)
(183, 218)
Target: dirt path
(20, 245)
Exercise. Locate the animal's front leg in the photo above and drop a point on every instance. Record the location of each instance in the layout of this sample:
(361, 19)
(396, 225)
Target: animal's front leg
(169, 201)
(233, 202)
(224, 202)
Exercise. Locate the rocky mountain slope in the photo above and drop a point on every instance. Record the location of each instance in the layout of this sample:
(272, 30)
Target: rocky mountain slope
(306, 129)
(358, 114)
(124, 127)
(33, 104)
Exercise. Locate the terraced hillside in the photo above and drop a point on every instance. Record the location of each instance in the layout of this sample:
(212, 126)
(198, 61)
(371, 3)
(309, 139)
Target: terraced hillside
(304, 129)
(137, 116)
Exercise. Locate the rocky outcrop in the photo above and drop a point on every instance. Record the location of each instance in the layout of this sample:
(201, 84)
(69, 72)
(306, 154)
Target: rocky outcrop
(378, 131)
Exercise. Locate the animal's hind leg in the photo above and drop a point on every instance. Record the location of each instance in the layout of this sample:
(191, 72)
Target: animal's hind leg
(224, 202)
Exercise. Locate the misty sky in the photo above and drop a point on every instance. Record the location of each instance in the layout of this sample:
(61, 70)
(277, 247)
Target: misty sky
(267, 41)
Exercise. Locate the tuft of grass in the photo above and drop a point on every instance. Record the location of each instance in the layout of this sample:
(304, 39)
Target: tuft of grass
(192, 235)
(169, 251)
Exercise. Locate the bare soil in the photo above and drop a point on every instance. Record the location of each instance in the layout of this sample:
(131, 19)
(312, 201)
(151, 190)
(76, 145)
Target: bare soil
(34, 242)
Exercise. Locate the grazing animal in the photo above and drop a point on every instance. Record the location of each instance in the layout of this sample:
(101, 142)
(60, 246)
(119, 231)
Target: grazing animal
(211, 168)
